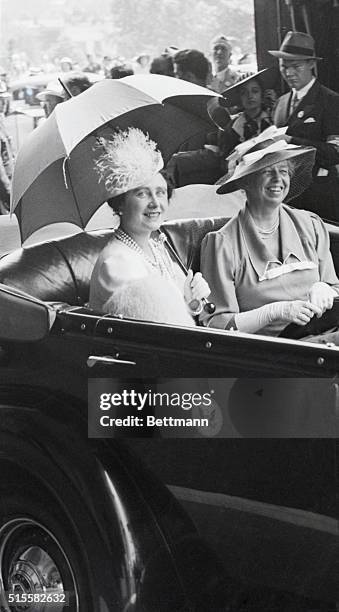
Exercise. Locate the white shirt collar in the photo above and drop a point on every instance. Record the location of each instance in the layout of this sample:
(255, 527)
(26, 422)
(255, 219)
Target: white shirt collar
(220, 75)
(301, 93)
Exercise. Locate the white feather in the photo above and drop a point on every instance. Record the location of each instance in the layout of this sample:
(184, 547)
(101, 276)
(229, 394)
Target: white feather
(130, 158)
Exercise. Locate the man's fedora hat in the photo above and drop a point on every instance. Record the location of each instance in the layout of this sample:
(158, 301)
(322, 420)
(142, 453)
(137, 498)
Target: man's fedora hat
(297, 46)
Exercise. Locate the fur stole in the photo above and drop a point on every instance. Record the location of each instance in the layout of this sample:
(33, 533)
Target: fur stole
(151, 298)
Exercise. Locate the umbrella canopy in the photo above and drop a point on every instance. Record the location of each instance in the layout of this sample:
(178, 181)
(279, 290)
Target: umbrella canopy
(47, 189)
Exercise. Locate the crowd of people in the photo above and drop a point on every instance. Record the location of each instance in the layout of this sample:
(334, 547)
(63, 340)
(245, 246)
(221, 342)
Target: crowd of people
(188, 64)
(271, 264)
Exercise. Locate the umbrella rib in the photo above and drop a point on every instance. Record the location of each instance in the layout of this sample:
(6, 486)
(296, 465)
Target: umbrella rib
(70, 185)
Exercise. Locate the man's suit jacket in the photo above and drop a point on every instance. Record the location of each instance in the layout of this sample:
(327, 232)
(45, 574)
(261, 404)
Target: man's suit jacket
(314, 122)
(229, 78)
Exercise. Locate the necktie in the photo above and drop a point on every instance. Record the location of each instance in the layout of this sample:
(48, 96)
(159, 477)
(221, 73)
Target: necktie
(294, 103)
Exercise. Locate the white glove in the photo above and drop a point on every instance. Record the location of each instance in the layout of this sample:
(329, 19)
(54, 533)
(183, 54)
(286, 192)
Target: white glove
(322, 295)
(294, 311)
(195, 287)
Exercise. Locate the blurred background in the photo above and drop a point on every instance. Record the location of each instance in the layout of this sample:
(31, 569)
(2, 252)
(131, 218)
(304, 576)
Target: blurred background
(39, 31)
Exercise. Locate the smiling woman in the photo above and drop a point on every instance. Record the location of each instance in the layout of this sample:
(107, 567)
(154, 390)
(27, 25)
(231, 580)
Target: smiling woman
(254, 96)
(135, 275)
(270, 265)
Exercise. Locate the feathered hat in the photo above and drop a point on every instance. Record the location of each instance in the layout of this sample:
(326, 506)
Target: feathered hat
(129, 159)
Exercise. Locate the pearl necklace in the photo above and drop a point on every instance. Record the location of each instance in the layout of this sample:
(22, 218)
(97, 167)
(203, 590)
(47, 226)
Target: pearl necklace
(268, 231)
(161, 259)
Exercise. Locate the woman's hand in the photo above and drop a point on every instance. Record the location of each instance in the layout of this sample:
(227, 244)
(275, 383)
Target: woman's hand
(270, 97)
(299, 311)
(294, 311)
(322, 295)
(195, 287)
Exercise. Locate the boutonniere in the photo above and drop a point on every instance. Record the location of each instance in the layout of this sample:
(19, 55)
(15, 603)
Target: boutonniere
(300, 114)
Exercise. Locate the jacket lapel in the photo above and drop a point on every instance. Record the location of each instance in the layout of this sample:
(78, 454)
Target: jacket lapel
(306, 106)
(282, 110)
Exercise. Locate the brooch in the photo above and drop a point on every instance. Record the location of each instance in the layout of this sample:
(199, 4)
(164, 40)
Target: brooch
(300, 114)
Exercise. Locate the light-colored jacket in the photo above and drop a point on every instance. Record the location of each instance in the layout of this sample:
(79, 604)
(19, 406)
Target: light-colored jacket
(123, 283)
(244, 275)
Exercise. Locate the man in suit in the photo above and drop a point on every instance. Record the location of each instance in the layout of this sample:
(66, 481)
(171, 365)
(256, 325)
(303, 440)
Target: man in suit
(224, 76)
(311, 112)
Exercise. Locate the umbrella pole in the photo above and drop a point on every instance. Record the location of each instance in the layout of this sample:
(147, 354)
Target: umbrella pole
(69, 180)
(208, 307)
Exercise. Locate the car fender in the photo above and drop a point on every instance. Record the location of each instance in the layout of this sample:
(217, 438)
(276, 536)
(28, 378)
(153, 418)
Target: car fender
(122, 515)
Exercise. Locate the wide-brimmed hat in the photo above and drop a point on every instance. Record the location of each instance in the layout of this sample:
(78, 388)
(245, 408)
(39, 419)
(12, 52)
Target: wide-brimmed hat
(53, 88)
(297, 46)
(268, 153)
(128, 159)
(266, 77)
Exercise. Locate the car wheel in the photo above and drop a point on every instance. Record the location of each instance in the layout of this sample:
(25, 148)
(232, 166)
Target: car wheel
(39, 567)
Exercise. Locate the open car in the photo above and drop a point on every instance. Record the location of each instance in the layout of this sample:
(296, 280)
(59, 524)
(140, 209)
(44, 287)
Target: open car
(89, 520)
(49, 282)
(59, 272)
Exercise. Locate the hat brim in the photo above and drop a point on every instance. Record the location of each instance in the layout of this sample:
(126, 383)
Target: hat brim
(234, 184)
(293, 56)
(48, 92)
(267, 78)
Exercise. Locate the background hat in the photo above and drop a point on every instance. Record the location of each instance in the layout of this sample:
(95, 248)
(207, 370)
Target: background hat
(266, 77)
(53, 88)
(129, 159)
(268, 153)
(297, 45)
(171, 50)
(66, 60)
(221, 40)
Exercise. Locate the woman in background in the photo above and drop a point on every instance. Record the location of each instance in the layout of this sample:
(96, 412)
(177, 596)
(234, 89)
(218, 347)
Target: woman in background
(254, 97)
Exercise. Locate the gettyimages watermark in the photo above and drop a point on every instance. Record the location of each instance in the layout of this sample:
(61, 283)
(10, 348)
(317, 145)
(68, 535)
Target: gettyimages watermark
(209, 408)
(179, 407)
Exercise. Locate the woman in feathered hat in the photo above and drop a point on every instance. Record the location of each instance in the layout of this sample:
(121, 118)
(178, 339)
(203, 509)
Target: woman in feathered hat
(270, 265)
(135, 275)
